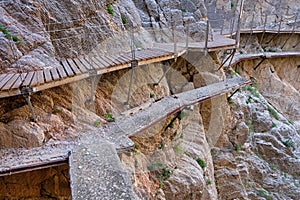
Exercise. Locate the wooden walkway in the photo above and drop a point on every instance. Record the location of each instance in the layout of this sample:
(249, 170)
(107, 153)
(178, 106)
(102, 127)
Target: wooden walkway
(21, 160)
(263, 55)
(71, 70)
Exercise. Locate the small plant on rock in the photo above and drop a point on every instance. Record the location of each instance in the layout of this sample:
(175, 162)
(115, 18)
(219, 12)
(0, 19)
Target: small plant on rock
(55, 111)
(8, 35)
(152, 95)
(262, 192)
(208, 182)
(238, 147)
(181, 115)
(109, 9)
(177, 148)
(124, 21)
(288, 143)
(230, 101)
(110, 117)
(97, 123)
(273, 112)
(201, 163)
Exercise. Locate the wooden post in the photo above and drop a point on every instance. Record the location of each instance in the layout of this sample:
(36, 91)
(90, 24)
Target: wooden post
(264, 31)
(26, 91)
(222, 27)
(293, 30)
(251, 31)
(174, 39)
(206, 37)
(238, 34)
(187, 35)
(277, 31)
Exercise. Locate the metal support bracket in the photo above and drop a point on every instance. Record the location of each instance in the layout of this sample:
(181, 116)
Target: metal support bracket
(228, 98)
(134, 64)
(26, 91)
(263, 59)
(229, 57)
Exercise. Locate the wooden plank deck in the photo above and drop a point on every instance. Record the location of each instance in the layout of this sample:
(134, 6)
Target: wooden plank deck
(47, 74)
(54, 73)
(11, 82)
(77, 62)
(5, 80)
(251, 56)
(28, 79)
(76, 69)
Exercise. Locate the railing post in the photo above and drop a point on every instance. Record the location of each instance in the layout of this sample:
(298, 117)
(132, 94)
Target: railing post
(174, 39)
(238, 34)
(278, 32)
(293, 30)
(264, 31)
(187, 34)
(206, 37)
(26, 91)
(134, 64)
(222, 27)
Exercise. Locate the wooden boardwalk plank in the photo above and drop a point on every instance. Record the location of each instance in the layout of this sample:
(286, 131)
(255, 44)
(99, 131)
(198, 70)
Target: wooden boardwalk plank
(108, 61)
(142, 55)
(73, 66)
(4, 80)
(86, 63)
(2, 76)
(61, 71)
(20, 80)
(114, 59)
(28, 79)
(98, 65)
(103, 61)
(47, 74)
(34, 80)
(82, 68)
(124, 60)
(11, 82)
(127, 57)
(67, 68)
(54, 73)
(40, 77)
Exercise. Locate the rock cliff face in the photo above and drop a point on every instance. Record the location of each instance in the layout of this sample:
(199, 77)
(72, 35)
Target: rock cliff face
(244, 148)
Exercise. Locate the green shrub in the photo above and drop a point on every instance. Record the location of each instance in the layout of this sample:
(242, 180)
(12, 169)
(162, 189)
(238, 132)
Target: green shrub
(97, 123)
(231, 5)
(262, 192)
(230, 101)
(249, 100)
(124, 21)
(156, 165)
(273, 112)
(177, 148)
(181, 115)
(208, 182)
(55, 111)
(171, 125)
(238, 147)
(8, 35)
(201, 163)
(152, 95)
(273, 125)
(162, 176)
(110, 117)
(109, 9)
(288, 143)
